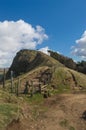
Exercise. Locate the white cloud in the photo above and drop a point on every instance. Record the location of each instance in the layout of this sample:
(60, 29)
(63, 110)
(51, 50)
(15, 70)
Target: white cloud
(45, 50)
(80, 48)
(15, 35)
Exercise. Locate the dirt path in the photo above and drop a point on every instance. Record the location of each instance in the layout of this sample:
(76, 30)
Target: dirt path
(61, 112)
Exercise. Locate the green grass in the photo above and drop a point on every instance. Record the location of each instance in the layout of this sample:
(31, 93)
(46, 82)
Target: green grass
(54, 92)
(35, 99)
(64, 123)
(80, 78)
(36, 104)
(7, 113)
(71, 128)
(9, 108)
(6, 97)
(62, 79)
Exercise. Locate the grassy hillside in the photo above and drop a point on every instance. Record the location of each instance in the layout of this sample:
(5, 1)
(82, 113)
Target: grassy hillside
(22, 111)
(8, 109)
(67, 79)
(26, 60)
(34, 66)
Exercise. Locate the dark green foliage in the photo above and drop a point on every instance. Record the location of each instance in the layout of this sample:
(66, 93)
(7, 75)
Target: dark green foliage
(81, 66)
(64, 123)
(68, 62)
(26, 60)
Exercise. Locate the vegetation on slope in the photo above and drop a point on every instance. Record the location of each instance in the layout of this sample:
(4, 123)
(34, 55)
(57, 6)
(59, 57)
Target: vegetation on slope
(66, 79)
(68, 62)
(36, 67)
(26, 60)
(9, 109)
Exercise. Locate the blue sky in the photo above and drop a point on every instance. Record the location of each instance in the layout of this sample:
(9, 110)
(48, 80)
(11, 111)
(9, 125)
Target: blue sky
(64, 22)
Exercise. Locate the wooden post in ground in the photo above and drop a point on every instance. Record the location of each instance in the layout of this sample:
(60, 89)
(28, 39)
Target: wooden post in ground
(17, 87)
(32, 89)
(11, 81)
(40, 88)
(4, 78)
(26, 88)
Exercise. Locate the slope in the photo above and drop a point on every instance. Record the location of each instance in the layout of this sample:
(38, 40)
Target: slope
(26, 60)
(37, 68)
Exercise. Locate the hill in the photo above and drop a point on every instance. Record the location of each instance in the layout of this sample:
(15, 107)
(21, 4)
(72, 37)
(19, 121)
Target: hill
(37, 67)
(26, 60)
(68, 62)
(54, 97)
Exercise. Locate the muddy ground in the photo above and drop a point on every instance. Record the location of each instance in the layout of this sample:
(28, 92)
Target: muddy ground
(59, 112)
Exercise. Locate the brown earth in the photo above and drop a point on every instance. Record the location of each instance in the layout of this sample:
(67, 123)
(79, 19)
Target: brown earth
(59, 112)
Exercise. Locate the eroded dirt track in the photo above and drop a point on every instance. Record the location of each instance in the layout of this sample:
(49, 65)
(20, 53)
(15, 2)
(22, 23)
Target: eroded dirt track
(60, 112)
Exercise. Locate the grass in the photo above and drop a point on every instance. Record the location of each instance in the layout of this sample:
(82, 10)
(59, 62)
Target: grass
(62, 79)
(6, 97)
(71, 128)
(7, 113)
(80, 78)
(8, 108)
(60, 89)
(35, 99)
(65, 123)
(36, 104)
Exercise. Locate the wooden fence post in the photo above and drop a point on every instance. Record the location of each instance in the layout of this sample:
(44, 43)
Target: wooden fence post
(11, 81)
(32, 91)
(4, 78)
(17, 92)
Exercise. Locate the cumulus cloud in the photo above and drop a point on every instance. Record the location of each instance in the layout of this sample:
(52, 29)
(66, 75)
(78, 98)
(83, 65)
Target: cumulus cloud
(16, 35)
(45, 50)
(80, 48)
